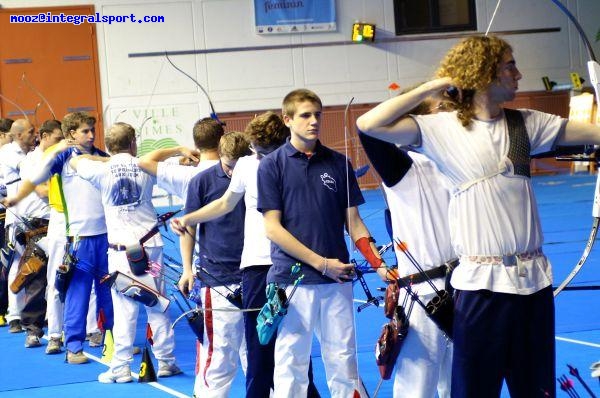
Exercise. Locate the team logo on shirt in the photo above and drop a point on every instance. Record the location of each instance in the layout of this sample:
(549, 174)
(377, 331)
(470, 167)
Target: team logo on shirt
(329, 182)
(125, 192)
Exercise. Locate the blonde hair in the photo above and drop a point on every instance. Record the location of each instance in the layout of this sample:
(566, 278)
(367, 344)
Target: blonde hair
(234, 145)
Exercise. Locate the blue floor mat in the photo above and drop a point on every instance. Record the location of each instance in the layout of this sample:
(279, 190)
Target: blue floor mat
(565, 209)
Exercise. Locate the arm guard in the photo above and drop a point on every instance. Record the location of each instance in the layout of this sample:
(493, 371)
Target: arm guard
(364, 247)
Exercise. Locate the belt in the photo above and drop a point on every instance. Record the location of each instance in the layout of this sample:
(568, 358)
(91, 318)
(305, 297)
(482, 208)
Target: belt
(117, 247)
(37, 222)
(73, 239)
(433, 273)
(506, 259)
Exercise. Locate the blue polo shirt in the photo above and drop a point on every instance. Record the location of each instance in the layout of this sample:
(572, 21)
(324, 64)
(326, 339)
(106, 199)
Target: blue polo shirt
(222, 239)
(311, 195)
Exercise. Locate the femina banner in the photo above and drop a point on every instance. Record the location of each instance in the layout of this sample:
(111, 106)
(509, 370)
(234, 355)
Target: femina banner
(289, 16)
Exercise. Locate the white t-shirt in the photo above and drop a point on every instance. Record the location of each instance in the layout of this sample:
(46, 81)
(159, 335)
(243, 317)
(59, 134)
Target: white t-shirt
(126, 196)
(257, 248)
(32, 205)
(419, 207)
(12, 156)
(175, 178)
(498, 215)
(2, 180)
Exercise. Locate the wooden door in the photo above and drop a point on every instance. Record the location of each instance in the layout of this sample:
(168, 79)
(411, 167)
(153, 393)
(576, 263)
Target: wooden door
(48, 68)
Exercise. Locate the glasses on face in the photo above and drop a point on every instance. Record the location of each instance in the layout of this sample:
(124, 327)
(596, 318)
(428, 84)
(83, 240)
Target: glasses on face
(262, 151)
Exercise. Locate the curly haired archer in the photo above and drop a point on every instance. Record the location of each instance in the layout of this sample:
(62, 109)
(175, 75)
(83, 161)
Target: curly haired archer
(267, 129)
(473, 65)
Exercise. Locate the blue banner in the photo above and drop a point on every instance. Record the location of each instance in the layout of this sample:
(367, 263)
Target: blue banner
(289, 16)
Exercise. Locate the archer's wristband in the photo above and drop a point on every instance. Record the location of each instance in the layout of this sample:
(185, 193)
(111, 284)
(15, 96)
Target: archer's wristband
(364, 247)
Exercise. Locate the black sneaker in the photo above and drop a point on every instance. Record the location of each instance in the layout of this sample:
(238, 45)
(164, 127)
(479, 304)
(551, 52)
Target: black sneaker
(14, 326)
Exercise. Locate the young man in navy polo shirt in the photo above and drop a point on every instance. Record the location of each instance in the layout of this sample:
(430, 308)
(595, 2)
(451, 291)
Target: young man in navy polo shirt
(266, 133)
(303, 195)
(220, 249)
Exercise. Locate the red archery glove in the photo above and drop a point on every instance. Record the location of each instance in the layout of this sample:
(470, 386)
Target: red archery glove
(364, 247)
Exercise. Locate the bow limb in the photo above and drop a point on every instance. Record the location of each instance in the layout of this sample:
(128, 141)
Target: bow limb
(16, 106)
(594, 72)
(586, 252)
(213, 113)
(39, 94)
(351, 245)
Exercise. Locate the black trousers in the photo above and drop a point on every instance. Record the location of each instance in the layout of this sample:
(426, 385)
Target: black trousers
(261, 358)
(499, 336)
(34, 313)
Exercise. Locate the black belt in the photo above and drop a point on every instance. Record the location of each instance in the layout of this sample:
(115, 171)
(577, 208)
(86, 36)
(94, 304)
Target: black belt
(433, 273)
(117, 247)
(13, 181)
(37, 222)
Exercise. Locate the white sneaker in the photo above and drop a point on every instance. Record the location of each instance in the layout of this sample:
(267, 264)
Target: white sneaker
(95, 339)
(595, 368)
(54, 345)
(120, 374)
(167, 370)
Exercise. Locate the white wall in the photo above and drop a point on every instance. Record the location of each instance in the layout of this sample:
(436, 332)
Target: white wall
(240, 81)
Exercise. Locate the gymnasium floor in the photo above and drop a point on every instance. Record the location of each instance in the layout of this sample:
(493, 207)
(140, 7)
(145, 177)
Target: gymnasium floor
(565, 206)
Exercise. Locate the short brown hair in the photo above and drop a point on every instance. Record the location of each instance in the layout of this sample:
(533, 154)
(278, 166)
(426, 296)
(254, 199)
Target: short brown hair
(207, 132)
(119, 137)
(49, 126)
(293, 98)
(234, 145)
(5, 125)
(74, 120)
(267, 129)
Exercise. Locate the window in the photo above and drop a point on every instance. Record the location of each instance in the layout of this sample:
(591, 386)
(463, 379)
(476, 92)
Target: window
(431, 16)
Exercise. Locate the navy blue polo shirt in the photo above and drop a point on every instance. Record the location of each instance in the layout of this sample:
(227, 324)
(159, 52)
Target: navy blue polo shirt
(311, 195)
(221, 240)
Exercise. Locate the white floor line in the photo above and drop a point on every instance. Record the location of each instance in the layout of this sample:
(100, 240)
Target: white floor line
(137, 376)
(154, 384)
(578, 342)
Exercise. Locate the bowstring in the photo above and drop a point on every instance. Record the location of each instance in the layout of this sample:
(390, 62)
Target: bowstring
(493, 16)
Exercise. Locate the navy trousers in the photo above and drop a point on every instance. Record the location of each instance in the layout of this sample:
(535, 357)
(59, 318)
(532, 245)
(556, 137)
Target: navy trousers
(261, 358)
(499, 336)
